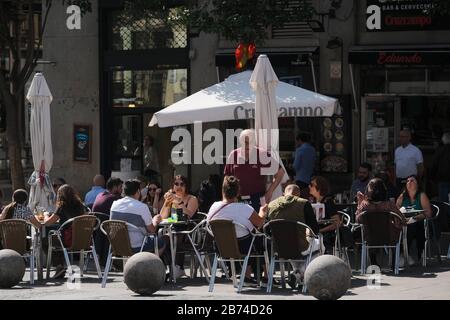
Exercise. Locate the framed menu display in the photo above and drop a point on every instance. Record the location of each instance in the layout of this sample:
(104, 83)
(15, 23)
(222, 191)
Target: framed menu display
(335, 141)
(82, 142)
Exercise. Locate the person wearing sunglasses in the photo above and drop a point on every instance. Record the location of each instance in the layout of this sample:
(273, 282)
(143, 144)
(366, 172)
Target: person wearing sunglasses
(154, 199)
(180, 198)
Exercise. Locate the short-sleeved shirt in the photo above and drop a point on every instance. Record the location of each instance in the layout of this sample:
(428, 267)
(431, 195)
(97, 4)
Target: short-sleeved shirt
(236, 212)
(252, 181)
(92, 194)
(304, 161)
(104, 201)
(22, 212)
(136, 210)
(406, 160)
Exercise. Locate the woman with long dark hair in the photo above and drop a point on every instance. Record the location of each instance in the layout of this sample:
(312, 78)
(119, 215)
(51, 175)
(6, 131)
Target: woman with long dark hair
(179, 198)
(414, 197)
(68, 206)
(154, 198)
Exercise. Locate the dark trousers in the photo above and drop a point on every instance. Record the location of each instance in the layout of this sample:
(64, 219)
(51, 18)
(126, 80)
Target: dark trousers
(417, 231)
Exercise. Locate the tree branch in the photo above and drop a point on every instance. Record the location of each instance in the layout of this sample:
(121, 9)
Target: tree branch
(26, 73)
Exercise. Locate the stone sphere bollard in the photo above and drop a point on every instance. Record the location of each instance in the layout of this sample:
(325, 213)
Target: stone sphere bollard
(327, 277)
(12, 268)
(144, 273)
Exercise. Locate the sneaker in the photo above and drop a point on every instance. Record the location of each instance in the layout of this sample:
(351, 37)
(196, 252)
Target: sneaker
(178, 272)
(292, 282)
(60, 273)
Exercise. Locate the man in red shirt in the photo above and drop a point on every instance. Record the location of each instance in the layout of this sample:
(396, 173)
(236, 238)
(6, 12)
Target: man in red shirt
(102, 204)
(251, 165)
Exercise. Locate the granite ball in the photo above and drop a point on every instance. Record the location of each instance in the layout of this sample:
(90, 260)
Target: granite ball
(12, 268)
(327, 277)
(144, 273)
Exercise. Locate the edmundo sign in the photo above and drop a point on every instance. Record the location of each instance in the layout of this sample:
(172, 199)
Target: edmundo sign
(404, 15)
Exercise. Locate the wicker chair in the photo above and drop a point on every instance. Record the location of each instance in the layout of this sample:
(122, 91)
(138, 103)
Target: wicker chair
(82, 242)
(13, 235)
(377, 232)
(120, 244)
(224, 233)
(285, 248)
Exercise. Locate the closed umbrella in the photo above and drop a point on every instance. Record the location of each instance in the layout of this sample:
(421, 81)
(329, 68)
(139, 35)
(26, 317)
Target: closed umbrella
(41, 191)
(264, 82)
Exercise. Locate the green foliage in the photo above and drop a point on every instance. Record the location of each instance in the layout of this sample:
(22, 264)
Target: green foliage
(237, 20)
(247, 20)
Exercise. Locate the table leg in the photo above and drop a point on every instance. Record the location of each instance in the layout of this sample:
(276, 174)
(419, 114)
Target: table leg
(405, 245)
(39, 254)
(173, 254)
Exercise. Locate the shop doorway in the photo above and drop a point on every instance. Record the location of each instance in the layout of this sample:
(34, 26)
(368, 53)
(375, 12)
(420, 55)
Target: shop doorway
(383, 116)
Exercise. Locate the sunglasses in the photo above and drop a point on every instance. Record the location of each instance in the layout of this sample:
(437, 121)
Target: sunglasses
(152, 189)
(56, 185)
(179, 184)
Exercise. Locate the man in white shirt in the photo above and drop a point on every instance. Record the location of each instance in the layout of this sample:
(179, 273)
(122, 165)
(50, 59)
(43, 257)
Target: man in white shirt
(131, 210)
(408, 159)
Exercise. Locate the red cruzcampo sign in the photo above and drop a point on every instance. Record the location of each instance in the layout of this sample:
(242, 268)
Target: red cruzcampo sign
(404, 15)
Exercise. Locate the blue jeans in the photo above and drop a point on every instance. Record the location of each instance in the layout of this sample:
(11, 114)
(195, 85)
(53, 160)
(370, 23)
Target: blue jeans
(444, 190)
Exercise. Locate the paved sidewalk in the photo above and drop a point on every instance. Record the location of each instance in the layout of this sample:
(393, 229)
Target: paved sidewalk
(430, 283)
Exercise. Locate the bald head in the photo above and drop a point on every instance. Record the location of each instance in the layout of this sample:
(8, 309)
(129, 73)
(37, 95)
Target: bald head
(292, 190)
(99, 180)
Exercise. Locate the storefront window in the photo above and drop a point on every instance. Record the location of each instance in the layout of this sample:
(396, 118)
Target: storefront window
(148, 88)
(126, 143)
(135, 33)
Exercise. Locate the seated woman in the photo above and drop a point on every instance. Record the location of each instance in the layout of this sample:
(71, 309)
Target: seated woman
(319, 188)
(376, 199)
(18, 208)
(179, 197)
(68, 206)
(154, 199)
(414, 197)
(230, 209)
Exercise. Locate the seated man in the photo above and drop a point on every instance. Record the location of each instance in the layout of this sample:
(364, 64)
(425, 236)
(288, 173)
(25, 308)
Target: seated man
(291, 207)
(97, 188)
(131, 210)
(360, 184)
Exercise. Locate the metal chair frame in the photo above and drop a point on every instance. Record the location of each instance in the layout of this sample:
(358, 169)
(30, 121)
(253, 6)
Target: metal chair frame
(274, 254)
(111, 257)
(365, 248)
(246, 257)
(65, 250)
(31, 255)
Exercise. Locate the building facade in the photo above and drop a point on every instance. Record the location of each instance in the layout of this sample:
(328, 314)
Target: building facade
(113, 74)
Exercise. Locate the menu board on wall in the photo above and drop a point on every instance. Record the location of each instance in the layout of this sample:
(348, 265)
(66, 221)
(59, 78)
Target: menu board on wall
(82, 142)
(334, 148)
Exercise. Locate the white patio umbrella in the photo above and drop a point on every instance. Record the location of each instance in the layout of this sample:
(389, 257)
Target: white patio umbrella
(264, 82)
(234, 99)
(41, 192)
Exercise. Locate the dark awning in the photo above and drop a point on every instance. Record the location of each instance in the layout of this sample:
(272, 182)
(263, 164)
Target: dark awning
(277, 56)
(400, 55)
